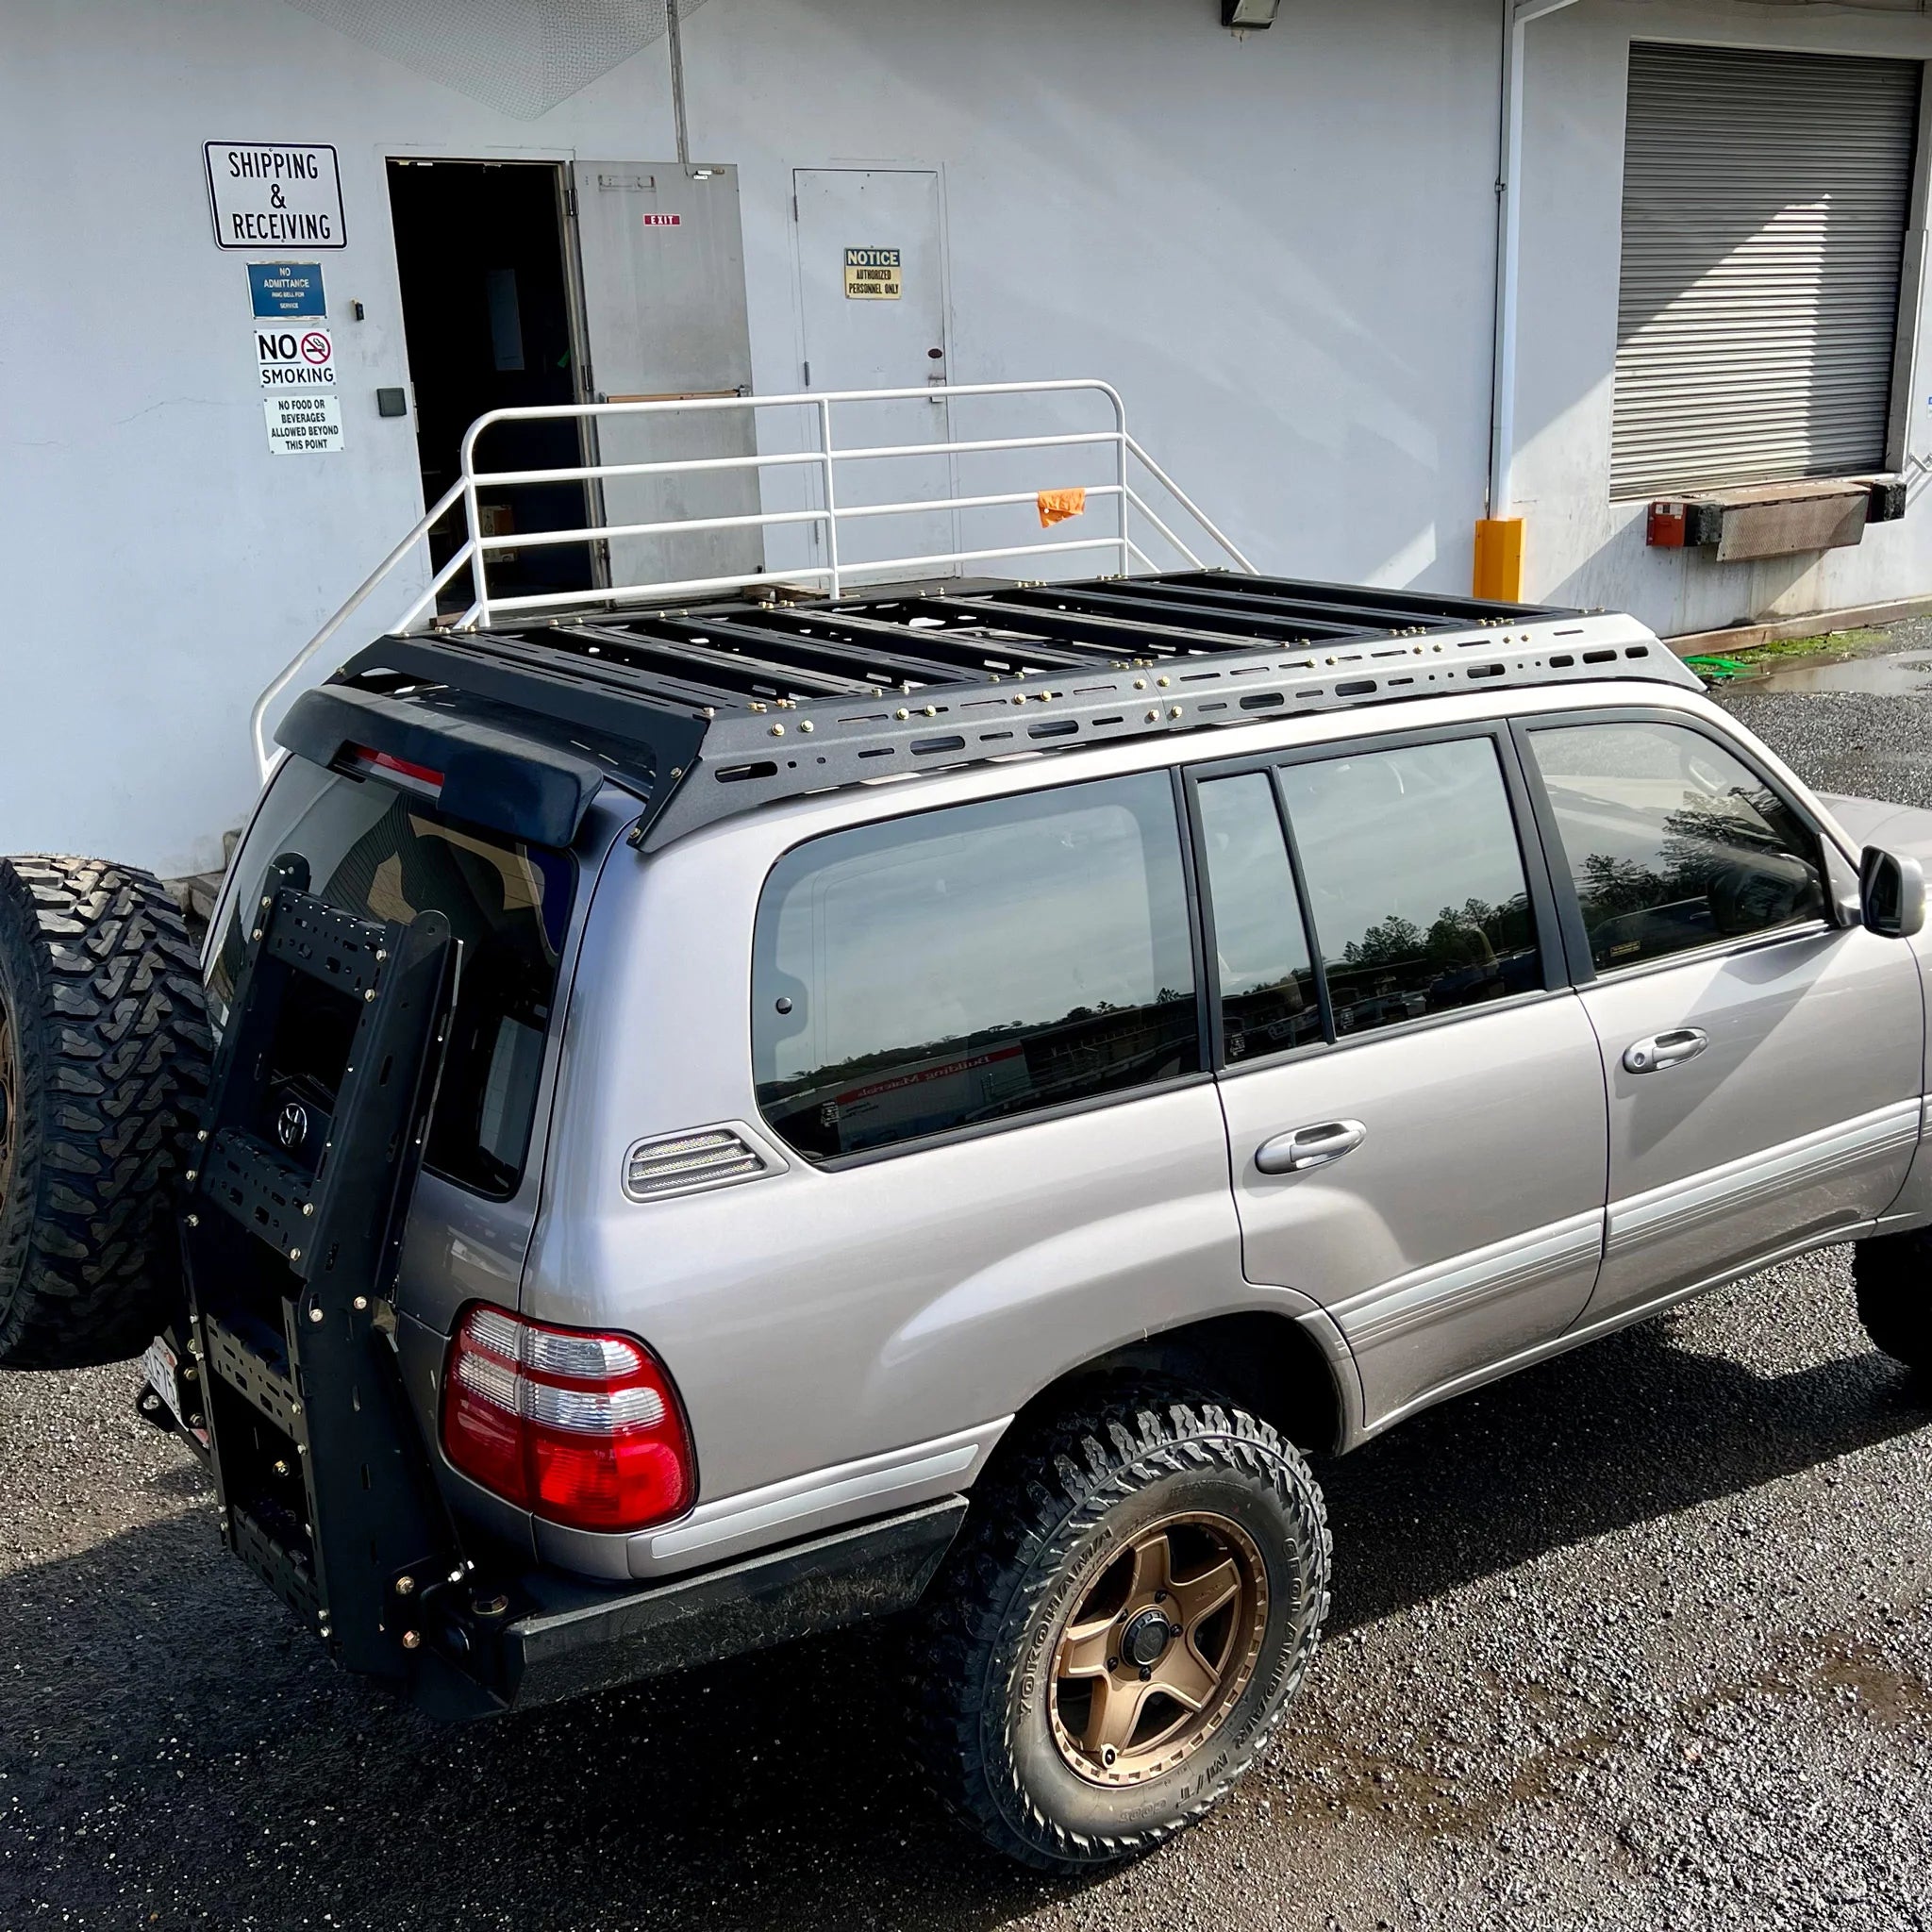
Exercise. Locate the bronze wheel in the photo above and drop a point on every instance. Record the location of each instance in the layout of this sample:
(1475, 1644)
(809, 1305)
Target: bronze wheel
(1129, 1609)
(1159, 1650)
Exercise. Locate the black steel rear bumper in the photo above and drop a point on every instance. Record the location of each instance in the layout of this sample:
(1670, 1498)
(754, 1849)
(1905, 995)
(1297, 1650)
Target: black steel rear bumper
(481, 1641)
(555, 1637)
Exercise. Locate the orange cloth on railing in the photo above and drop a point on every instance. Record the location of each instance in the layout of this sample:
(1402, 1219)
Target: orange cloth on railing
(1057, 506)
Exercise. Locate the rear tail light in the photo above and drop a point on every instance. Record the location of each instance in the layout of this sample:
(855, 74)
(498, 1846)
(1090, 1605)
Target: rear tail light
(583, 1429)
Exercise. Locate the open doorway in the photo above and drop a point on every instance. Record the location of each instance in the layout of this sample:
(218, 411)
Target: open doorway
(488, 320)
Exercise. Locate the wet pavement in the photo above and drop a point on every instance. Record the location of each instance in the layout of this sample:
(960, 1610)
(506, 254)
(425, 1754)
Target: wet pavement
(1639, 1638)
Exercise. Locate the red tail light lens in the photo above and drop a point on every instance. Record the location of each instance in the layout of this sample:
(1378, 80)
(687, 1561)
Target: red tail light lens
(583, 1429)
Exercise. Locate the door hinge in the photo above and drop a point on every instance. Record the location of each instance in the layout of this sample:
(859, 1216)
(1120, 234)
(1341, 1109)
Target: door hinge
(794, 208)
(570, 203)
(807, 376)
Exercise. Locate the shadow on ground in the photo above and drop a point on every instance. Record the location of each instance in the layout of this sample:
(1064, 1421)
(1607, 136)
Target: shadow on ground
(175, 1751)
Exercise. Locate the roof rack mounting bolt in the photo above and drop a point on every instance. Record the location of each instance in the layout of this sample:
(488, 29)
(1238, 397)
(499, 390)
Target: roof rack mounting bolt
(902, 714)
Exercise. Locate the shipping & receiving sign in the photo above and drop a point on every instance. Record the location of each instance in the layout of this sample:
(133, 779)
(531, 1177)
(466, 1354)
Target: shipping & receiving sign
(266, 194)
(872, 274)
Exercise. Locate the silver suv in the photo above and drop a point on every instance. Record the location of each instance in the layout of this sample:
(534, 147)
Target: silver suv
(732, 1122)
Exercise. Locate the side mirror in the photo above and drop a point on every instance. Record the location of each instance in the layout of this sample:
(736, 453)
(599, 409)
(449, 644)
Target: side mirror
(1891, 893)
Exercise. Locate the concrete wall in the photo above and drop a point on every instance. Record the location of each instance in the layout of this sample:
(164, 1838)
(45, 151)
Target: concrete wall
(1279, 248)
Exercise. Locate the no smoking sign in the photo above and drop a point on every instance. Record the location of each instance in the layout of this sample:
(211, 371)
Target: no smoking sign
(295, 359)
(298, 390)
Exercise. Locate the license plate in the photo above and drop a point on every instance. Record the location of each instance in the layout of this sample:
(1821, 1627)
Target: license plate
(163, 1368)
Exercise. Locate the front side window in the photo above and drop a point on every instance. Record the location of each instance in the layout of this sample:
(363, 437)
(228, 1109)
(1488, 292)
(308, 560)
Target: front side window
(966, 966)
(1415, 880)
(1672, 841)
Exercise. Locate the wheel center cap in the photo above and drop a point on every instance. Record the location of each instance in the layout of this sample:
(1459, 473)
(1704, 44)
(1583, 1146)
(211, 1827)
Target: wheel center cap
(1145, 1640)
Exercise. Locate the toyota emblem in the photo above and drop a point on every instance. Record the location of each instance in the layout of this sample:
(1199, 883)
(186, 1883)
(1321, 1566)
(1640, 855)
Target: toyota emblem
(291, 1125)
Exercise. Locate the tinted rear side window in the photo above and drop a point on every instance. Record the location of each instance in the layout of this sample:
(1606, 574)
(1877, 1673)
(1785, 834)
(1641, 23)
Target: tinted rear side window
(1415, 880)
(377, 854)
(970, 965)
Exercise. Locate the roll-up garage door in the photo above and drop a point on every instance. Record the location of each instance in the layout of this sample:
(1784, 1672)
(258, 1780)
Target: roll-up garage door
(1765, 204)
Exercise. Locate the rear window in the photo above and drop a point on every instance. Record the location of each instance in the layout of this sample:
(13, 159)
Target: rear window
(379, 854)
(970, 965)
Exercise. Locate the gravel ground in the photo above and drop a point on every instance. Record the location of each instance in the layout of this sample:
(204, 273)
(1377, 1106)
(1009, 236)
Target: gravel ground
(1642, 1638)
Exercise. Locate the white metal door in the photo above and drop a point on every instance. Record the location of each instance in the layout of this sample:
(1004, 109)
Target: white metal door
(662, 267)
(872, 296)
(1766, 199)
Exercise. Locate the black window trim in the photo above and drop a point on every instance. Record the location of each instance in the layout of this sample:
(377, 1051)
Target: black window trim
(1066, 1110)
(1582, 967)
(1530, 846)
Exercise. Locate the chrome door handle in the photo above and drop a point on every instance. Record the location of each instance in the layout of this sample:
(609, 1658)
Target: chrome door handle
(1664, 1049)
(1309, 1147)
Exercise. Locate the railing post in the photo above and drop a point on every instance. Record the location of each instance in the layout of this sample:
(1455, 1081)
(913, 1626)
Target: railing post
(831, 498)
(479, 563)
(1120, 424)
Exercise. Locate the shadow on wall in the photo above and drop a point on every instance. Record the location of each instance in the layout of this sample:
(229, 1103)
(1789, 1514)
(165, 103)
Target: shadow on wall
(171, 1741)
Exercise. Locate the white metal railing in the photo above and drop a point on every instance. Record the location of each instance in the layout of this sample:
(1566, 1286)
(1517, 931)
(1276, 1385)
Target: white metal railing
(1123, 537)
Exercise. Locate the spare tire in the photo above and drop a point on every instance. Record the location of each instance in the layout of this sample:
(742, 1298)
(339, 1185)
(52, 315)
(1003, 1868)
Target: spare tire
(104, 1063)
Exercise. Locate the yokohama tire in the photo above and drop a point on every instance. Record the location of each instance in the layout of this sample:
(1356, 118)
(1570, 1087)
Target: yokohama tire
(1893, 1277)
(104, 1059)
(1000, 1694)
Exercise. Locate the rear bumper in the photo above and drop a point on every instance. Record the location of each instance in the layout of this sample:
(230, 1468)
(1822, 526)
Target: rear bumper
(558, 1637)
(495, 1633)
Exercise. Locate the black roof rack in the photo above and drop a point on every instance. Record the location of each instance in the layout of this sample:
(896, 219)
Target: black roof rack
(712, 711)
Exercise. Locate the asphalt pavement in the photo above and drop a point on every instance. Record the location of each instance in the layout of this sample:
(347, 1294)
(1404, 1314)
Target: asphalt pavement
(1642, 1638)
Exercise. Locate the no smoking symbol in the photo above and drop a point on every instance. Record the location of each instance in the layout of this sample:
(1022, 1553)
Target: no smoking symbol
(315, 347)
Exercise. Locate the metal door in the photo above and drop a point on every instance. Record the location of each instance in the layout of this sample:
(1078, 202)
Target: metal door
(1447, 1208)
(1766, 201)
(871, 299)
(662, 263)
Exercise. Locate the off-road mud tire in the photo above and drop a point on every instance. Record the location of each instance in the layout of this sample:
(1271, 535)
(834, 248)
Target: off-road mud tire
(101, 1011)
(979, 1658)
(1893, 1277)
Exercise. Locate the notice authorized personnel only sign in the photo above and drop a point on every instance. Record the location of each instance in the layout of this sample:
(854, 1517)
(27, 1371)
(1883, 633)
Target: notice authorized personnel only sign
(267, 195)
(872, 274)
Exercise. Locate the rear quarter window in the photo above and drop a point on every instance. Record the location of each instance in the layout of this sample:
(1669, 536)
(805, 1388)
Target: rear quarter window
(973, 965)
(383, 855)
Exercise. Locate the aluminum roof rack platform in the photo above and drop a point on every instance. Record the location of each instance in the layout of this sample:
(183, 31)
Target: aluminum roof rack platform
(712, 710)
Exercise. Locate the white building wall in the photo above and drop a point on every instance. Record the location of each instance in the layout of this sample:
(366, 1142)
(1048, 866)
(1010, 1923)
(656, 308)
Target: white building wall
(1279, 248)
